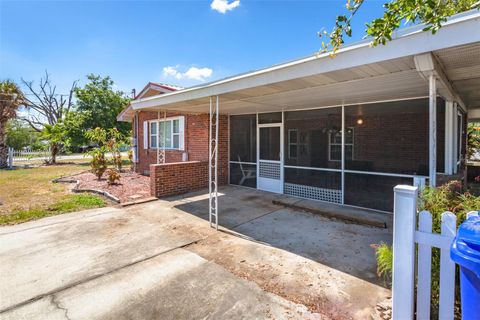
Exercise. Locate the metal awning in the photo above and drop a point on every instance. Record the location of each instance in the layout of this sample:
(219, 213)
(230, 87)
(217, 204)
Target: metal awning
(357, 74)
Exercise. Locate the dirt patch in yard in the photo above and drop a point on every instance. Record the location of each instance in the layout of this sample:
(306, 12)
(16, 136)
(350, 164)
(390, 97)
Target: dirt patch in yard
(324, 290)
(131, 187)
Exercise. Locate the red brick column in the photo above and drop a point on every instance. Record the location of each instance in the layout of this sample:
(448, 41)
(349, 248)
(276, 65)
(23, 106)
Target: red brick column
(178, 177)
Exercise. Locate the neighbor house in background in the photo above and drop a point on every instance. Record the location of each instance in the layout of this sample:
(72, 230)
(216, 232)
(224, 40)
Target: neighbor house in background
(345, 129)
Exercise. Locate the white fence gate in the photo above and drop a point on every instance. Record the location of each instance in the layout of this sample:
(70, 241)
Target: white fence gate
(405, 237)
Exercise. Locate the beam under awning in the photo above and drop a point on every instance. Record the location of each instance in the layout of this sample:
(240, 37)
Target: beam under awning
(474, 114)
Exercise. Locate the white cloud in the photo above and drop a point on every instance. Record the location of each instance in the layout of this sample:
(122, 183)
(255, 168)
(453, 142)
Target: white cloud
(223, 6)
(170, 71)
(194, 73)
(198, 73)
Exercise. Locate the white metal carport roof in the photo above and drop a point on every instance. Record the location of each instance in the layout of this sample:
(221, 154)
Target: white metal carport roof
(357, 74)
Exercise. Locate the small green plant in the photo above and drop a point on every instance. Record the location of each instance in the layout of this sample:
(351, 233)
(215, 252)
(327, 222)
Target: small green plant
(113, 176)
(384, 254)
(115, 139)
(98, 163)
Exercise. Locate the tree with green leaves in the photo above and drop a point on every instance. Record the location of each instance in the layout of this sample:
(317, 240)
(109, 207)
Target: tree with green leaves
(100, 104)
(11, 98)
(432, 13)
(20, 134)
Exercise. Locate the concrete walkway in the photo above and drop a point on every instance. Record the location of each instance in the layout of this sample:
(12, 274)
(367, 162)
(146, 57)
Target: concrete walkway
(160, 260)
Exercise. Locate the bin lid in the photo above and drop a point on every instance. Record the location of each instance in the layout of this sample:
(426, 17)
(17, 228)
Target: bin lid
(465, 248)
(469, 230)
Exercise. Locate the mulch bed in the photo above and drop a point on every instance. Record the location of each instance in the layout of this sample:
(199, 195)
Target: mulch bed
(132, 186)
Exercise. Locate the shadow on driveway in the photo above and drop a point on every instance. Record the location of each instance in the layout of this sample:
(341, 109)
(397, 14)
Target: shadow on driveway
(336, 244)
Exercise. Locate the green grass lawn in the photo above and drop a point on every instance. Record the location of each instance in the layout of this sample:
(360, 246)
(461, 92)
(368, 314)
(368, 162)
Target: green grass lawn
(29, 193)
(69, 203)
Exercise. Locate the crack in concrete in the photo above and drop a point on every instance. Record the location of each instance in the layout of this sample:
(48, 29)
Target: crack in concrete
(95, 276)
(53, 300)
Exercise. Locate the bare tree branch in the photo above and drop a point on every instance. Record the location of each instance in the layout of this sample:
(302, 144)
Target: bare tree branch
(45, 103)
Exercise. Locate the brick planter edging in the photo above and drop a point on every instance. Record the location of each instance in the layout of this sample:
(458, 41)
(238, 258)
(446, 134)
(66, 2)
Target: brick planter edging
(178, 177)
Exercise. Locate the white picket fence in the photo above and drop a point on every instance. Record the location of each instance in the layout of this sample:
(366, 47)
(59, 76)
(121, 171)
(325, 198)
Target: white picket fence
(412, 270)
(15, 156)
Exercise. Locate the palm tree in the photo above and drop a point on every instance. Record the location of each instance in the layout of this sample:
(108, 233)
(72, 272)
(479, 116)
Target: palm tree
(11, 97)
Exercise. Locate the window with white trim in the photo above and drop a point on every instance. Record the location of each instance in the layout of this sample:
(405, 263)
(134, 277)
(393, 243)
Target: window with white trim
(335, 145)
(292, 143)
(167, 133)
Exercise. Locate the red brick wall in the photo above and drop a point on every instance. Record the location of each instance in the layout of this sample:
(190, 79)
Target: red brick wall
(196, 142)
(177, 178)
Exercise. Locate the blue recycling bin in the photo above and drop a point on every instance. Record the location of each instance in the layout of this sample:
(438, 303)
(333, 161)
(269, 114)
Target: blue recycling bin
(465, 251)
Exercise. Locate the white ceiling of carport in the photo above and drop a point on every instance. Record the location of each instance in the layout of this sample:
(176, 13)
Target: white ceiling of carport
(462, 67)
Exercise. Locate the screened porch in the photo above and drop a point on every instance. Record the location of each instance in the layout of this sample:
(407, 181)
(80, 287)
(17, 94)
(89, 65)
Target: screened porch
(303, 153)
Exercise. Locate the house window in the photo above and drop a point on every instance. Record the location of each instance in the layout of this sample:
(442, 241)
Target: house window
(335, 145)
(292, 143)
(167, 133)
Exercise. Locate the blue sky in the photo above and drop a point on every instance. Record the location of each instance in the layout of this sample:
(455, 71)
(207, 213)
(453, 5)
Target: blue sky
(176, 42)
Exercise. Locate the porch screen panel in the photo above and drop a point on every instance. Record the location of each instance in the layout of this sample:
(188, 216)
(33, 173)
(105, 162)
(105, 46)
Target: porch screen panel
(312, 154)
(389, 137)
(312, 138)
(243, 174)
(243, 150)
(372, 191)
(314, 184)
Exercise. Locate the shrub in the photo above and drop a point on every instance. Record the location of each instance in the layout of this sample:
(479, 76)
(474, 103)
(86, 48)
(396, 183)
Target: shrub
(113, 176)
(113, 144)
(98, 163)
(107, 142)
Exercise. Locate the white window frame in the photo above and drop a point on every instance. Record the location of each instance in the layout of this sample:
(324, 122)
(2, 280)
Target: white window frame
(330, 145)
(290, 143)
(180, 133)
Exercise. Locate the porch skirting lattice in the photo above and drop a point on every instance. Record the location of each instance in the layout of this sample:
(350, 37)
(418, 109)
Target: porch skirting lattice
(309, 192)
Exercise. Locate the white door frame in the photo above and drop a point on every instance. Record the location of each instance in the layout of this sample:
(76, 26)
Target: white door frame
(267, 184)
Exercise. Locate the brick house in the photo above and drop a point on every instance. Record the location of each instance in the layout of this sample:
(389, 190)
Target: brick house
(186, 145)
(343, 130)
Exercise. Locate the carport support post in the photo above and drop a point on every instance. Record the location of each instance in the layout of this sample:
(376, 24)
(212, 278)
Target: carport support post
(213, 165)
(432, 154)
(161, 153)
(158, 128)
(449, 137)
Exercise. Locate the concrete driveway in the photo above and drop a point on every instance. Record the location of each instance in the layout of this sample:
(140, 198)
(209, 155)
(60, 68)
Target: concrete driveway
(160, 260)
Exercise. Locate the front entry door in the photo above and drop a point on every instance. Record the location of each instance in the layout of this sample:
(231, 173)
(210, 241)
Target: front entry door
(270, 158)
